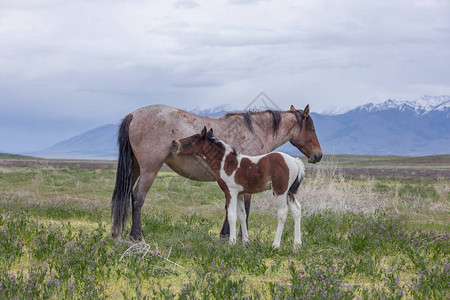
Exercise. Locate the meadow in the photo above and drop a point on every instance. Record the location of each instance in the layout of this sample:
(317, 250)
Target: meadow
(366, 234)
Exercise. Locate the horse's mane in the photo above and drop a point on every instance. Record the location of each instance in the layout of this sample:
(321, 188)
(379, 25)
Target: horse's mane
(299, 116)
(220, 143)
(276, 117)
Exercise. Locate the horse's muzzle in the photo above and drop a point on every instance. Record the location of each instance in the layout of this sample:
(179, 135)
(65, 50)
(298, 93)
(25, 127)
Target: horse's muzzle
(315, 157)
(175, 147)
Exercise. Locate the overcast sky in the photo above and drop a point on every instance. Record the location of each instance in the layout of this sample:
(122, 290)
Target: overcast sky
(69, 66)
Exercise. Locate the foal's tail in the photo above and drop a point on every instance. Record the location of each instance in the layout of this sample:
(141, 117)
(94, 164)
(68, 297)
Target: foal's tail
(301, 172)
(120, 202)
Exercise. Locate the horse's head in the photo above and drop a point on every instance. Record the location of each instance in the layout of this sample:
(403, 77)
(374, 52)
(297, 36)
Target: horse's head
(192, 145)
(304, 136)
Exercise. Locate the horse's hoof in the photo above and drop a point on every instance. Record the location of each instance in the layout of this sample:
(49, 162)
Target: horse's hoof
(136, 237)
(224, 236)
(297, 246)
(116, 238)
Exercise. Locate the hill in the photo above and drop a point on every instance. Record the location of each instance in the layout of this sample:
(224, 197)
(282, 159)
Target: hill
(413, 128)
(98, 143)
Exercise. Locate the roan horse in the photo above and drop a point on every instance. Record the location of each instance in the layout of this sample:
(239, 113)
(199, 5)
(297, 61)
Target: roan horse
(145, 141)
(238, 174)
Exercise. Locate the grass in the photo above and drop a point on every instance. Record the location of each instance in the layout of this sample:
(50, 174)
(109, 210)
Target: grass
(362, 237)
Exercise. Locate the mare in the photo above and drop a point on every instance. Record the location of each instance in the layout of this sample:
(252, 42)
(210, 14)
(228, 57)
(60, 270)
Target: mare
(238, 174)
(145, 141)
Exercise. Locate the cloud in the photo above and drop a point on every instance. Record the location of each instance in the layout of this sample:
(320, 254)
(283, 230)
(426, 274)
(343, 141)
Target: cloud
(91, 62)
(188, 4)
(245, 2)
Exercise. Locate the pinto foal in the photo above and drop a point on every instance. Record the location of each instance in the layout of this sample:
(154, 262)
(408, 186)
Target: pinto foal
(239, 174)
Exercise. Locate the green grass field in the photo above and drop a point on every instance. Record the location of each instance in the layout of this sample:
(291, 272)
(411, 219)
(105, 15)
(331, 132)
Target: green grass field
(363, 236)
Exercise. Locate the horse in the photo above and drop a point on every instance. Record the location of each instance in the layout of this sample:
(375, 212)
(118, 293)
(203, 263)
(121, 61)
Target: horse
(145, 139)
(238, 174)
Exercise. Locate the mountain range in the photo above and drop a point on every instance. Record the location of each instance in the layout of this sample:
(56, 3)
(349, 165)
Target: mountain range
(412, 128)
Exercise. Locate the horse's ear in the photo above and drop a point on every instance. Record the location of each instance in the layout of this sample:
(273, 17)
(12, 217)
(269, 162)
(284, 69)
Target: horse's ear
(210, 133)
(292, 107)
(306, 111)
(203, 132)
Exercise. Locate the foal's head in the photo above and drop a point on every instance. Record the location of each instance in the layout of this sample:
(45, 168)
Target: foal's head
(199, 144)
(305, 138)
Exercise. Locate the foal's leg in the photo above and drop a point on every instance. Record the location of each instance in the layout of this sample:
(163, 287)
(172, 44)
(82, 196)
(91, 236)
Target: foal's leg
(225, 231)
(242, 218)
(282, 210)
(232, 211)
(247, 200)
(296, 210)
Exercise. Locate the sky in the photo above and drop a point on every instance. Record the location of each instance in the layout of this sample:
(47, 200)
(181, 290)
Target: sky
(70, 66)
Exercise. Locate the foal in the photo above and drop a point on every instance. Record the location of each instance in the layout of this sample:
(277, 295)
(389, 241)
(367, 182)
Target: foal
(239, 174)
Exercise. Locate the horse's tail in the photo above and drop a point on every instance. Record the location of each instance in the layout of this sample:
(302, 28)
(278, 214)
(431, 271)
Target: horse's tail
(301, 172)
(120, 202)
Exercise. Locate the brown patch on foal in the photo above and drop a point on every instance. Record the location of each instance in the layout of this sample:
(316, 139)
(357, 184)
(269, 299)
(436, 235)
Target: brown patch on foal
(253, 177)
(231, 164)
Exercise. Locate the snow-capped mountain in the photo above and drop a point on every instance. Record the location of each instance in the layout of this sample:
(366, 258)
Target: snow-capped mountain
(212, 111)
(419, 127)
(420, 106)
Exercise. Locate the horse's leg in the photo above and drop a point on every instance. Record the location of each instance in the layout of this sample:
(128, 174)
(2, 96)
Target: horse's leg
(138, 199)
(242, 218)
(296, 210)
(282, 211)
(247, 200)
(232, 211)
